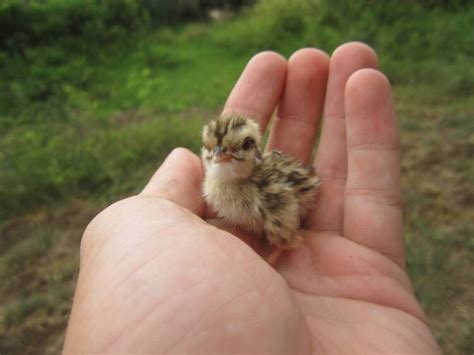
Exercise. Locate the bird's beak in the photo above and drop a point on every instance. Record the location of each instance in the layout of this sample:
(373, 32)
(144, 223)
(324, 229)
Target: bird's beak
(220, 157)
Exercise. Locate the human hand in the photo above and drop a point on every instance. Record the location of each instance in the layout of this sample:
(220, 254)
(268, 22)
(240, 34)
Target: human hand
(156, 278)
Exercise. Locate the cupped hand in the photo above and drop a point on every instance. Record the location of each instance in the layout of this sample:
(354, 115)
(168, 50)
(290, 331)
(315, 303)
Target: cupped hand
(155, 277)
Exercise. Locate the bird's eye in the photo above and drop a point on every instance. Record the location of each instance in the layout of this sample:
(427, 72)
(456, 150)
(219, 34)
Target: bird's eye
(248, 143)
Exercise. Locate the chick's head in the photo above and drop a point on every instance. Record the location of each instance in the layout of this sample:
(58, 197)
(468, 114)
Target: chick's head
(231, 146)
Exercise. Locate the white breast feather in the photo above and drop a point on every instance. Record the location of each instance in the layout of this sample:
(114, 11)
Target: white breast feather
(236, 207)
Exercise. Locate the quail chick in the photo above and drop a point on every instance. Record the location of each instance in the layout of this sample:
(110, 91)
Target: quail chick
(260, 193)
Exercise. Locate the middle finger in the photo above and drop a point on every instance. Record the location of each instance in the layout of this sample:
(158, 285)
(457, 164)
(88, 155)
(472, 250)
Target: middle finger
(294, 129)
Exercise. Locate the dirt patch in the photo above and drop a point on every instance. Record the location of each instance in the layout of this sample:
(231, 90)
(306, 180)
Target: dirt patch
(37, 290)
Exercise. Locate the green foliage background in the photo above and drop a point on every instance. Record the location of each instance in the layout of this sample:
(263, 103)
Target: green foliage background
(93, 95)
(67, 66)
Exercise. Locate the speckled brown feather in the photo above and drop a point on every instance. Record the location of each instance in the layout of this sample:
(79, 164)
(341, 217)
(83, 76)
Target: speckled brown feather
(266, 194)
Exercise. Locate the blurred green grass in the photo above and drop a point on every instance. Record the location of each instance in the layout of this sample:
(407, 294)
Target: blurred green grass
(85, 119)
(62, 102)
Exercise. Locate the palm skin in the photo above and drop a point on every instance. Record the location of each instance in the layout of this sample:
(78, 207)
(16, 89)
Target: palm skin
(158, 277)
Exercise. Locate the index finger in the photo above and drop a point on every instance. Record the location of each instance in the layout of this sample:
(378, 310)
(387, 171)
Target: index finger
(258, 90)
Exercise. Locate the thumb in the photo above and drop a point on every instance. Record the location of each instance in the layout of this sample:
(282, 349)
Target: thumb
(179, 180)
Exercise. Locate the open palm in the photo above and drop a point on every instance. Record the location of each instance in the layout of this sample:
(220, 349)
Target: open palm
(157, 278)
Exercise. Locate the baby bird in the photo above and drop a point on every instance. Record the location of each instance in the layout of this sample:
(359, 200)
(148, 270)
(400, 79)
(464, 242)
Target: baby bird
(260, 193)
